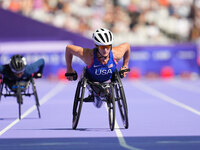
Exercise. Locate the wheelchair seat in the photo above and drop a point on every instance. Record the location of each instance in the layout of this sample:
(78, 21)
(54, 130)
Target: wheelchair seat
(100, 89)
(12, 86)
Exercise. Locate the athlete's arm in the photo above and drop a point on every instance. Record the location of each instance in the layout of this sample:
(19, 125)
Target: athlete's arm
(37, 66)
(1, 69)
(123, 50)
(83, 53)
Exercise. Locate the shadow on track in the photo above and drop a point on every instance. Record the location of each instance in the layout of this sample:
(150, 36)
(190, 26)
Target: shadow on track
(79, 129)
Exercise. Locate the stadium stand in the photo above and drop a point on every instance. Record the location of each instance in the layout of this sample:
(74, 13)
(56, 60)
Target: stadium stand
(163, 33)
(142, 22)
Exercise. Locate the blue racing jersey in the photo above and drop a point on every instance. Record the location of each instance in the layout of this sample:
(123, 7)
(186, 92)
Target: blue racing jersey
(100, 73)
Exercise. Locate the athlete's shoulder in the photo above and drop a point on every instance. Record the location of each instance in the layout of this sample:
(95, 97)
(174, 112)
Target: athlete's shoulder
(76, 48)
(4, 68)
(118, 51)
(73, 46)
(122, 46)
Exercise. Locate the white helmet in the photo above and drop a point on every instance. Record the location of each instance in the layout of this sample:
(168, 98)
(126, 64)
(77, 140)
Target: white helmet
(102, 37)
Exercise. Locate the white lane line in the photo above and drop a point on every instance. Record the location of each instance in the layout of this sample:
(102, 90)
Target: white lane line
(121, 139)
(164, 97)
(184, 86)
(48, 96)
(120, 136)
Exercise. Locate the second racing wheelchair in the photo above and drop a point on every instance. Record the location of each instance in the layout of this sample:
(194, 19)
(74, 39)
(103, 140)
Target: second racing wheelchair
(110, 92)
(19, 89)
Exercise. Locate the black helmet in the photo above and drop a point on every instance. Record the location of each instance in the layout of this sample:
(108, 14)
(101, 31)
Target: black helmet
(17, 63)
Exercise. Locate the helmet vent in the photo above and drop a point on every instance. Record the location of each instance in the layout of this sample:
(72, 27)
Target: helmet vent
(106, 37)
(96, 39)
(101, 37)
(110, 36)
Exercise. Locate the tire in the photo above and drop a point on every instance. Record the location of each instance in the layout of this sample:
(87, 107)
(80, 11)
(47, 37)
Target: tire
(78, 102)
(36, 97)
(19, 100)
(1, 89)
(122, 104)
(111, 109)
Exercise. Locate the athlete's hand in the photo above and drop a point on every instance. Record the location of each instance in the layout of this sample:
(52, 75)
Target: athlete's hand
(71, 77)
(124, 73)
(37, 75)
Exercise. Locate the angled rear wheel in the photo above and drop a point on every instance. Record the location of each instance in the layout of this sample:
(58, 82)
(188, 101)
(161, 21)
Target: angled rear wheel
(78, 102)
(111, 108)
(121, 100)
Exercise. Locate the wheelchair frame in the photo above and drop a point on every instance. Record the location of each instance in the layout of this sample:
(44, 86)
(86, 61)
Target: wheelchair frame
(116, 94)
(20, 91)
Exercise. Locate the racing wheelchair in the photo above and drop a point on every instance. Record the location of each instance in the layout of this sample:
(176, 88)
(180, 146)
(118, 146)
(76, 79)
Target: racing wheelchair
(111, 93)
(19, 89)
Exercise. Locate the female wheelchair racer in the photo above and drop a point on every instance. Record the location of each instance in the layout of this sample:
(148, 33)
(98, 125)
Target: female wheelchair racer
(109, 92)
(101, 68)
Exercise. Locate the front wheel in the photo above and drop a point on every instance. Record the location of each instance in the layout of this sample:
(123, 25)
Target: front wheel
(1, 89)
(111, 108)
(19, 100)
(78, 102)
(36, 97)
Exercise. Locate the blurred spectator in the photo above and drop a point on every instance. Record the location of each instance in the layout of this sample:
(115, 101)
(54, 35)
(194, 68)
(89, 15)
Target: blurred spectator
(195, 31)
(140, 22)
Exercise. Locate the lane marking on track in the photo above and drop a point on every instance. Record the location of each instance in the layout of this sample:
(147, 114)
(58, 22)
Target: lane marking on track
(164, 97)
(47, 97)
(121, 139)
(187, 87)
(120, 136)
